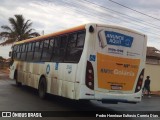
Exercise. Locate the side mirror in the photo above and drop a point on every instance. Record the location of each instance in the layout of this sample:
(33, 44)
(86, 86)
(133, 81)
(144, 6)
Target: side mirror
(10, 54)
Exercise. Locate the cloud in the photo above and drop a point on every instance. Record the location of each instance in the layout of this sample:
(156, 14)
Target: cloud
(4, 51)
(55, 15)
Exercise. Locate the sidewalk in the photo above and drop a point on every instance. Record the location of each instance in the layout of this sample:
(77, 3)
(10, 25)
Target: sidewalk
(4, 74)
(155, 93)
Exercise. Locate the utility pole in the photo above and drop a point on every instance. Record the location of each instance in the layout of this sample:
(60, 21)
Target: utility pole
(42, 32)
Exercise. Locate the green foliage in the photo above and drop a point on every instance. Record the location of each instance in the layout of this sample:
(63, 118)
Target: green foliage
(18, 30)
(1, 58)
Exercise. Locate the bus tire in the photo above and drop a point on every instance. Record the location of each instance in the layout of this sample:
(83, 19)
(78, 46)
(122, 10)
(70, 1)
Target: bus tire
(42, 88)
(18, 84)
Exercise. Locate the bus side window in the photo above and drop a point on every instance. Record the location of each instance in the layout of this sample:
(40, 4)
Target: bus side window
(75, 47)
(63, 46)
(23, 52)
(46, 53)
(19, 52)
(26, 49)
(56, 50)
(30, 52)
(33, 46)
(41, 49)
(51, 47)
(14, 51)
(16, 54)
(22, 49)
(37, 54)
(72, 39)
(80, 39)
(51, 44)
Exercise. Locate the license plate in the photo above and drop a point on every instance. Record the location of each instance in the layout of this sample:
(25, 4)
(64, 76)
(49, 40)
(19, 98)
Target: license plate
(116, 87)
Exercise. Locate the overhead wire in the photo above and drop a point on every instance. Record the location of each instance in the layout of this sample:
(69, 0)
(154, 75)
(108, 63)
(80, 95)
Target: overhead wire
(135, 10)
(127, 20)
(91, 14)
(125, 15)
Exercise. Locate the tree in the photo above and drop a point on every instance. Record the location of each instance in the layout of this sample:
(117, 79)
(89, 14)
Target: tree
(18, 30)
(1, 59)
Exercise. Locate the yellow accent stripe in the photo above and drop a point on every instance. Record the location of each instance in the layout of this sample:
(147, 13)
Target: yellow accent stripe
(51, 35)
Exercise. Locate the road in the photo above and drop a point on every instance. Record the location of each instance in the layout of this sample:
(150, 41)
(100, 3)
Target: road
(13, 98)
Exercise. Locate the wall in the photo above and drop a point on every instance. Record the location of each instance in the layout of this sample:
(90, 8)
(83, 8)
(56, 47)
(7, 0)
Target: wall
(154, 72)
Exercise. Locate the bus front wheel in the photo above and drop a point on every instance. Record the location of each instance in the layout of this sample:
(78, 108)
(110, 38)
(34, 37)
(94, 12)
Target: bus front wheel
(42, 88)
(16, 78)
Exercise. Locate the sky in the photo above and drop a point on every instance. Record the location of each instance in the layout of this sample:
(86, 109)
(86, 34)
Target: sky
(54, 15)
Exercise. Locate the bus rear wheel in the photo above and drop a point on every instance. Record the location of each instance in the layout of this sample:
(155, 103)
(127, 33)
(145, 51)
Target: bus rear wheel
(42, 88)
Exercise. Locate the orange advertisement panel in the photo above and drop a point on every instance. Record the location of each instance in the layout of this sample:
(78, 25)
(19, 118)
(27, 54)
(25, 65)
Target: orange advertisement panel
(115, 73)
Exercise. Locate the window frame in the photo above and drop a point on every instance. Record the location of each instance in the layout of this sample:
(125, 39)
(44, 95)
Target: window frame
(58, 51)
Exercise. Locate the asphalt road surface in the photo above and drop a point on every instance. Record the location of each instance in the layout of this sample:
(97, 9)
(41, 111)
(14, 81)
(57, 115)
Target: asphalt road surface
(13, 98)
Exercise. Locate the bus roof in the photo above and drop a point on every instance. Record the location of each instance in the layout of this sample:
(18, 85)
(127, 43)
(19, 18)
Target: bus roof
(81, 27)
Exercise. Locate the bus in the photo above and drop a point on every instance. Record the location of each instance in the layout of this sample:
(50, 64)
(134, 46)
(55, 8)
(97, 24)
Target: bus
(88, 62)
